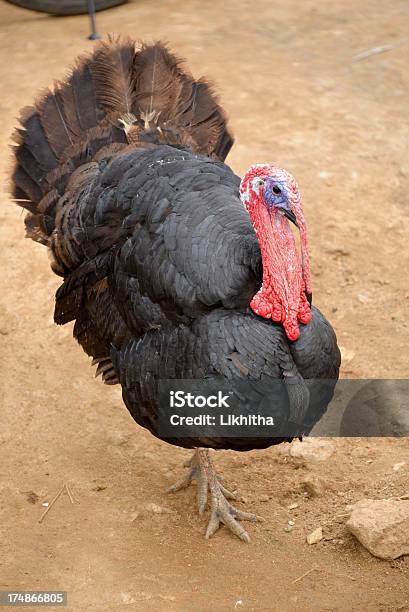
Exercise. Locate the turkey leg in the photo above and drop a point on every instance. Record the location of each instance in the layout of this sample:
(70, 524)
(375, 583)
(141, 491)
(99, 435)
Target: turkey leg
(201, 469)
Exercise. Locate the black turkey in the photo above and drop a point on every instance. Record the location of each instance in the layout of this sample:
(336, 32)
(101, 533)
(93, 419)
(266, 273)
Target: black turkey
(173, 268)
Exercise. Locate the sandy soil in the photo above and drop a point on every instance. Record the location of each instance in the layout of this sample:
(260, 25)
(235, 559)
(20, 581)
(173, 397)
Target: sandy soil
(295, 95)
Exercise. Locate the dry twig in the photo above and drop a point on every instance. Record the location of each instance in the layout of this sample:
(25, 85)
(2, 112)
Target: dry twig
(305, 574)
(52, 502)
(378, 50)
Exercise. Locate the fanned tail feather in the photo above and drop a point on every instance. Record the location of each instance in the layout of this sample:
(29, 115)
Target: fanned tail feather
(122, 95)
(112, 71)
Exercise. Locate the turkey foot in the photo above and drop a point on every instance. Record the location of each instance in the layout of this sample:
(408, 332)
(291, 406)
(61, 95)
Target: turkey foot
(198, 473)
(201, 469)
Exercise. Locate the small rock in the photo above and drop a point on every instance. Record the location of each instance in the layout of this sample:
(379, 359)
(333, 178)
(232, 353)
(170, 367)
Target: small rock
(398, 466)
(381, 526)
(119, 439)
(264, 498)
(315, 536)
(363, 298)
(316, 449)
(135, 516)
(404, 171)
(292, 506)
(337, 251)
(288, 528)
(314, 485)
(155, 509)
(150, 456)
(346, 354)
(291, 523)
(127, 598)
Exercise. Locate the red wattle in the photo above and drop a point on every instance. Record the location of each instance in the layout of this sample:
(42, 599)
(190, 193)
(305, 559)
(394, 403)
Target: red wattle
(282, 295)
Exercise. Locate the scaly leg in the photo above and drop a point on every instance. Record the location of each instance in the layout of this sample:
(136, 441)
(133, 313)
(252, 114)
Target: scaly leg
(201, 469)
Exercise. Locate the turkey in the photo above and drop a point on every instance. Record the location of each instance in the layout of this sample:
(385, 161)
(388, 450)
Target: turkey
(172, 267)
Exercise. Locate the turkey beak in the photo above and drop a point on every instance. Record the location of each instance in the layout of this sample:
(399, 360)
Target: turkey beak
(290, 216)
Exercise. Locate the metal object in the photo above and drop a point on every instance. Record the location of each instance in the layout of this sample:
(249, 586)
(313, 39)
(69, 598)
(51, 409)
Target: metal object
(91, 9)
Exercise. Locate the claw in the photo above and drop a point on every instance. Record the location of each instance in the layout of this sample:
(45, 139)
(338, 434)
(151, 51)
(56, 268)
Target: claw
(185, 481)
(227, 493)
(195, 473)
(224, 512)
(180, 484)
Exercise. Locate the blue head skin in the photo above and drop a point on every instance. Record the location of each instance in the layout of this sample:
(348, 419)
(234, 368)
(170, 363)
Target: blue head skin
(277, 194)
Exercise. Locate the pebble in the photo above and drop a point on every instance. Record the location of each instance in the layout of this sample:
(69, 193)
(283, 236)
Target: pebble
(119, 438)
(127, 598)
(314, 485)
(155, 509)
(337, 251)
(264, 498)
(398, 466)
(316, 449)
(363, 298)
(381, 526)
(346, 354)
(315, 536)
(292, 506)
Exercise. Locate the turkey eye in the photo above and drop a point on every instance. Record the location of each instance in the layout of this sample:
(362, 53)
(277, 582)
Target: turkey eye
(276, 190)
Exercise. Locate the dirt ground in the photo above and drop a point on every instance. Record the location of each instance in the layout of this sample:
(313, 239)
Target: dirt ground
(298, 95)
